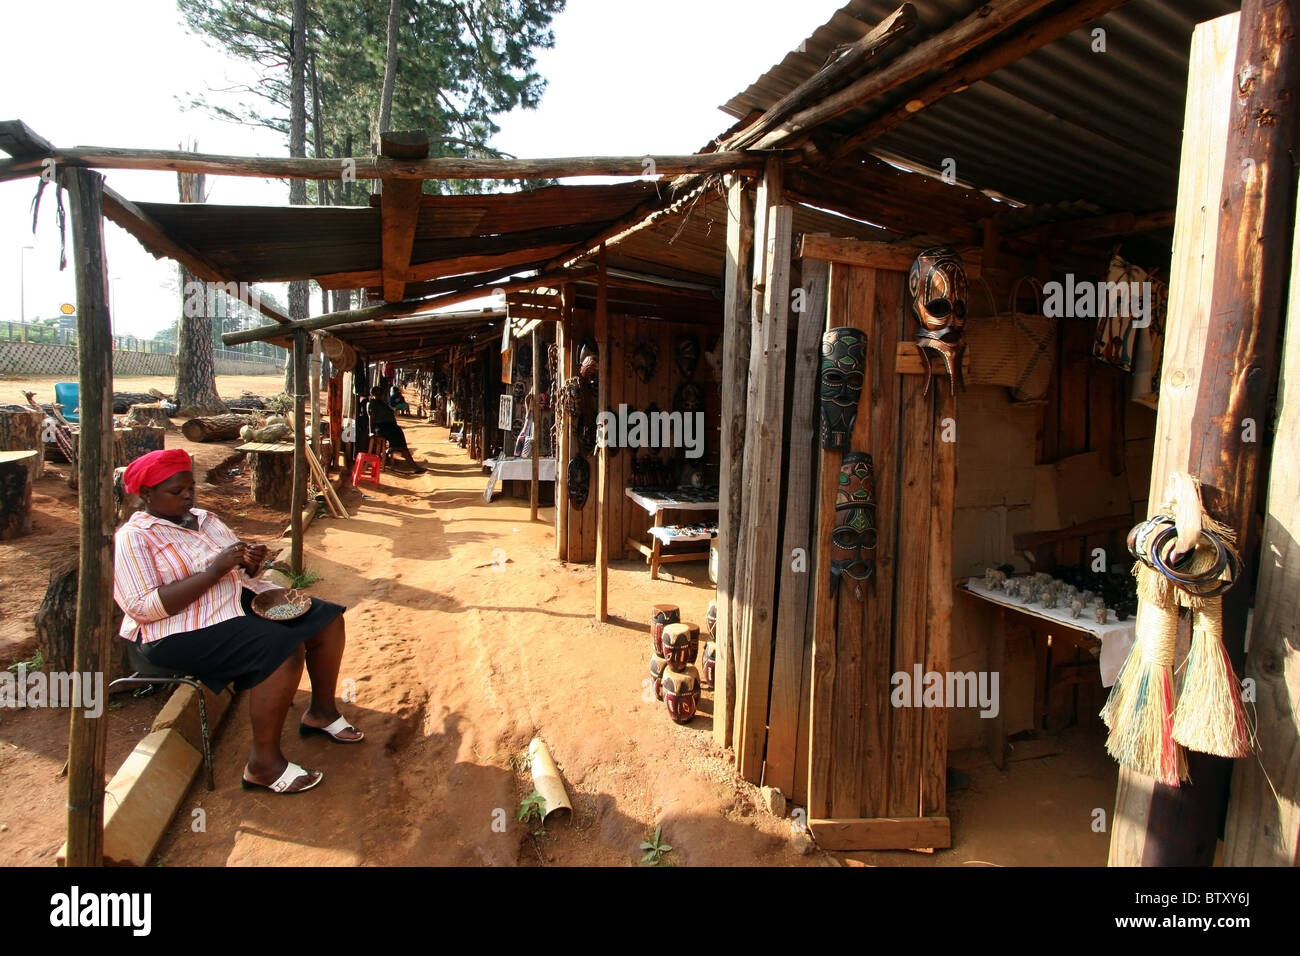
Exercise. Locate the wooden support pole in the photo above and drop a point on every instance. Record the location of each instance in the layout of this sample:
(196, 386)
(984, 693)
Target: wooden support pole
(1261, 829)
(534, 490)
(735, 374)
(399, 208)
(791, 635)
(602, 452)
(766, 417)
(299, 497)
(1156, 825)
(562, 433)
(87, 737)
(315, 394)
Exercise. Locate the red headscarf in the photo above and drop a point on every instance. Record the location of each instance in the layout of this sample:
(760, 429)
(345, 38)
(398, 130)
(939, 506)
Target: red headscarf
(154, 468)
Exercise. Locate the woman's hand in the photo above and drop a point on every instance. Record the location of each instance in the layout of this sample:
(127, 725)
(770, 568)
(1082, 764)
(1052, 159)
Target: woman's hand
(229, 558)
(254, 555)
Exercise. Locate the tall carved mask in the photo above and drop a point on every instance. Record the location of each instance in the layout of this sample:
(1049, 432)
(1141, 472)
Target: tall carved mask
(844, 355)
(937, 282)
(853, 539)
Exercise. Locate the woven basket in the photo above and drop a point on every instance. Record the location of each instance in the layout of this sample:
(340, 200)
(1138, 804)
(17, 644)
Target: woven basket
(1014, 349)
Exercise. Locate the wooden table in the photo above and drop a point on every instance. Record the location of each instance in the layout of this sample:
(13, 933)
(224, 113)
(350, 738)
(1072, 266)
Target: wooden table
(1111, 642)
(656, 502)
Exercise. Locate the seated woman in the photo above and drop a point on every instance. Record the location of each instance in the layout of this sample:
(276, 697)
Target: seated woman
(184, 581)
(384, 424)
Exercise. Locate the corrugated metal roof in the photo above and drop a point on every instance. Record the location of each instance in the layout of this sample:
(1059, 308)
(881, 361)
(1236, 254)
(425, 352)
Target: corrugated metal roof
(1062, 123)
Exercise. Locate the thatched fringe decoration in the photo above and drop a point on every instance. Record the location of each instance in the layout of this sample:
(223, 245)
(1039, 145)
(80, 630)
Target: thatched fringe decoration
(1210, 717)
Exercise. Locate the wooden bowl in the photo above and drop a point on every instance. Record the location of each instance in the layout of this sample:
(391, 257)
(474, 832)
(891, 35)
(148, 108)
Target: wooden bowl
(268, 603)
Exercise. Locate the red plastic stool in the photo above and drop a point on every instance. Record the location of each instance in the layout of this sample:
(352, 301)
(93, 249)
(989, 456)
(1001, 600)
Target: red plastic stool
(367, 468)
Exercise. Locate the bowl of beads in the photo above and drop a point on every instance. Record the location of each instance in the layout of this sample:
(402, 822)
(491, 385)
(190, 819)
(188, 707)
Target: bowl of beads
(281, 604)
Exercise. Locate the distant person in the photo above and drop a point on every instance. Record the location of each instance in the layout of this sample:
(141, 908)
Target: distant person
(397, 401)
(384, 424)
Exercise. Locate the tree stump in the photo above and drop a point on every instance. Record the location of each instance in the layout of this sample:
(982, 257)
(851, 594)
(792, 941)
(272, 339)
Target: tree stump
(150, 414)
(119, 452)
(272, 475)
(20, 430)
(215, 427)
(56, 622)
(139, 441)
(16, 470)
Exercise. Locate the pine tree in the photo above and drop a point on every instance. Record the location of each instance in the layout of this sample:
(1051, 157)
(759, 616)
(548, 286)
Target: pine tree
(196, 380)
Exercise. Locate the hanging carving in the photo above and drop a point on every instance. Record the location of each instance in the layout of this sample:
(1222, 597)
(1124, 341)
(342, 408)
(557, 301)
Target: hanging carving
(937, 282)
(844, 353)
(853, 539)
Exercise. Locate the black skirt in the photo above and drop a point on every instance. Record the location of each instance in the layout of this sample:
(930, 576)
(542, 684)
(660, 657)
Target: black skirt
(243, 651)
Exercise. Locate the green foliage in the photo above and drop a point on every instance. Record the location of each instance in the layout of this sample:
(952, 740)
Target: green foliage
(460, 62)
(34, 663)
(279, 403)
(304, 578)
(656, 849)
(532, 807)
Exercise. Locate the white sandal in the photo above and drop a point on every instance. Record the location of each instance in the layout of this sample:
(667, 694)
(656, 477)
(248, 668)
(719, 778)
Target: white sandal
(291, 773)
(332, 731)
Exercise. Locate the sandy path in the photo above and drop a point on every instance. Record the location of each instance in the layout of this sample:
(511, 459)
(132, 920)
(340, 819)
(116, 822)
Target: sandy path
(457, 663)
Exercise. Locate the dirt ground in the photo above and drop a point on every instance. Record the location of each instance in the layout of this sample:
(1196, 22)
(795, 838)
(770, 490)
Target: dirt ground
(459, 654)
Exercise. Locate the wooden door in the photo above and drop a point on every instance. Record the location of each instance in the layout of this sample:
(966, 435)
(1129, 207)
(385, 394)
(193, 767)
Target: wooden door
(877, 773)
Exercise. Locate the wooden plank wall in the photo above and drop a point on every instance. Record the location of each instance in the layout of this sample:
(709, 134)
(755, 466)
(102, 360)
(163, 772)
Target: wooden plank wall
(877, 773)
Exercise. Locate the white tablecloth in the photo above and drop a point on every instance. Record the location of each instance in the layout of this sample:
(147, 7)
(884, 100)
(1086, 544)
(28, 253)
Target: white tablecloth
(666, 502)
(666, 536)
(1116, 636)
(516, 469)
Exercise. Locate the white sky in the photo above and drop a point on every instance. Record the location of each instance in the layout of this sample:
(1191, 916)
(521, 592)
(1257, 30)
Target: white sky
(625, 78)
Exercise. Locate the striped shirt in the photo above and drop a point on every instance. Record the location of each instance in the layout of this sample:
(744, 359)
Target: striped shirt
(152, 552)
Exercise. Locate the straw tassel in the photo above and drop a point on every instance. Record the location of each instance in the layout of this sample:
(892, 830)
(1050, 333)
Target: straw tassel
(1210, 717)
(1140, 708)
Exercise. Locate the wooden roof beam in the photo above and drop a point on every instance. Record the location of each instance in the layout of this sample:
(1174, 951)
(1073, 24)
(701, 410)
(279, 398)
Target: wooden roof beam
(848, 61)
(1004, 54)
(937, 52)
(453, 167)
(399, 208)
(1098, 227)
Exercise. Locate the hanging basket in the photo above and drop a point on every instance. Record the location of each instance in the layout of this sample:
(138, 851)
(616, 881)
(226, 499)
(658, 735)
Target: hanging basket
(1014, 349)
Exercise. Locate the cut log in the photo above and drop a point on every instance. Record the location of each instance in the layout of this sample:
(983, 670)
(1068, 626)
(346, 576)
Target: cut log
(244, 402)
(122, 401)
(140, 441)
(20, 430)
(119, 452)
(149, 414)
(215, 427)
(56, 623)
(16, 469)
(272, 475)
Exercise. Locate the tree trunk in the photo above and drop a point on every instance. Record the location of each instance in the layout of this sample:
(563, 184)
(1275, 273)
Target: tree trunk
(390, 71)
(196, 376)
(141, 440)
(215, 427)
(153, 414)
(16, 493)
(299, 292)
(20, 430)
(56, 622)
(272, 477)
